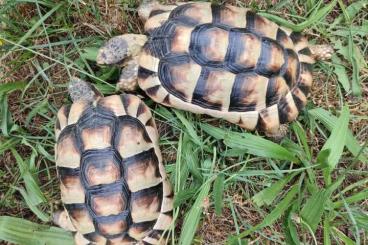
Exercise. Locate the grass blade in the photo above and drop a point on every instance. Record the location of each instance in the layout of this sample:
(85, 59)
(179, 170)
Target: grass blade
(336, 142)
(266, 196)
(344, 238)
(281, 207)
(189, 127)
(315, 17)
(192, 219)
(218, 192)
(20, 231)
(10, 87)
(329, 121)
(30, 201)
(315, 205)
(341, 73)
(31, 30)
(215, 132)
(258, 146)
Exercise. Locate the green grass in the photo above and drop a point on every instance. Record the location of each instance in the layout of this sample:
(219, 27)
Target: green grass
(231, 186)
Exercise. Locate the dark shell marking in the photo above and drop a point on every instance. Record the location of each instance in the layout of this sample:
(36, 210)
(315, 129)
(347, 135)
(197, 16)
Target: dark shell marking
(112, 181)
(226, 62)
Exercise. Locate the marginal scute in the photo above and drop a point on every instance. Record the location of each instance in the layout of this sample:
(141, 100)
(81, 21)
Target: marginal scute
(146, 204)
(141, 229)
(232, 16)
(76, 111)
(193, 13)
(80, 218)
(71, 187)
(112, 103)
(62, 118)
(67, 150)
(269, 119)
(95, 237)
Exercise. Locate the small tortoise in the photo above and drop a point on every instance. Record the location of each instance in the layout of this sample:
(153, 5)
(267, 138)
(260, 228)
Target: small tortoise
(113, 184)
(223, 61)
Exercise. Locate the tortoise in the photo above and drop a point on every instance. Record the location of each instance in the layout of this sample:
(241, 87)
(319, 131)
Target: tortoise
(223, 61)
(113, 184)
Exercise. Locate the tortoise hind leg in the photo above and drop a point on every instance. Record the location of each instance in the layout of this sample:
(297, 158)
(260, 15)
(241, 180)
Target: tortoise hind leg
(279, 134)
(61, 218)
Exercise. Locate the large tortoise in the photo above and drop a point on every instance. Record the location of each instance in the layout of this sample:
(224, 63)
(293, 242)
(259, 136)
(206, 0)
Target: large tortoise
(113, 184)
(223, 61)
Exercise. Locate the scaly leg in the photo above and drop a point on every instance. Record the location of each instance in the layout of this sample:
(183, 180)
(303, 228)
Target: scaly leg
(279, 134)
(321, 52)
(128, 80)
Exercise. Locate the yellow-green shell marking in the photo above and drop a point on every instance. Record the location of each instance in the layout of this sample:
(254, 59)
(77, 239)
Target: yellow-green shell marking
(113, 184)
(226, 62)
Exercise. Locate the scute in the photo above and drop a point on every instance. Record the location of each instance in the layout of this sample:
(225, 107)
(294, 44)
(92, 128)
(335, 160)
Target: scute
(225, 61)
(110, 170)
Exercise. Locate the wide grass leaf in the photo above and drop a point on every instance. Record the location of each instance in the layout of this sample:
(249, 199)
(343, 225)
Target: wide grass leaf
(189, 128)
(192, 219)
(266, 196)
(329, 121)
(316, 204)
(341, 73)
(32, 203)
(336, 142)
(314, 18)
(24, 232)
(215, 132)
(276, 213)
(32, 29)
(258, 146)
(344, 238)
(218, 192)
(10, 87)
(250, 143)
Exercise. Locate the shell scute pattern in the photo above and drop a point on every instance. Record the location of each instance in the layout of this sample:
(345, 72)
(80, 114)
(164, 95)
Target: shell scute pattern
(113, 183)
(226, 62)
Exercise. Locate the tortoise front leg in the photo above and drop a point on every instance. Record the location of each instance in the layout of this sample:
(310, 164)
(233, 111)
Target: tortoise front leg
(123, 50)
(128, 80)
(321, 52)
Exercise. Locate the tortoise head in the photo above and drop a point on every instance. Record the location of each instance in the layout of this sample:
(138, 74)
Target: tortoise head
(118, 48)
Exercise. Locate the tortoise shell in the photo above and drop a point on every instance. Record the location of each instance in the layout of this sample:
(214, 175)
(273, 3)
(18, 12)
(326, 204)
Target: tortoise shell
(113, 183)
(226, 62)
